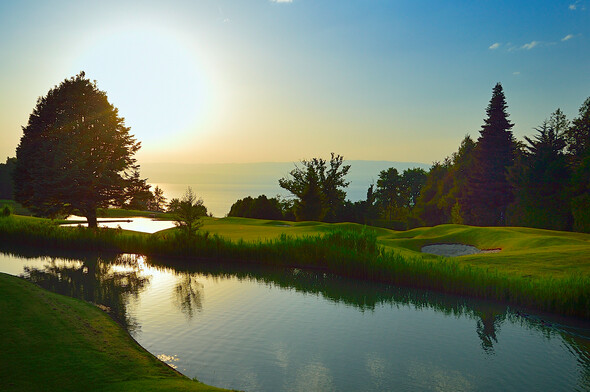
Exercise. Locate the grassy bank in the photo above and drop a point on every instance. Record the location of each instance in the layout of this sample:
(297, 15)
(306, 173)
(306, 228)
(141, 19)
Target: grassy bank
(540, 269)
(51, 342)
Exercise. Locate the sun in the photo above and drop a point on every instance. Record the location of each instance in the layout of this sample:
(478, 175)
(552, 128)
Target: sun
(153, 76)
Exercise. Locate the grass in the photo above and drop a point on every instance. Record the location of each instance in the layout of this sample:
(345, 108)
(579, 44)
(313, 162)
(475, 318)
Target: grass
(55, 343)
(541, 269)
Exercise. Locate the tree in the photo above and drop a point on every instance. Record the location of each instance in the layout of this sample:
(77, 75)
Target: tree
(75, 153)
(388, 193)
(319, 190)
(578, 146)
(412, 181)
(488, 192)
(159, 199)
(259, 208)
(540, 178)
(188, 212)
(6, 175)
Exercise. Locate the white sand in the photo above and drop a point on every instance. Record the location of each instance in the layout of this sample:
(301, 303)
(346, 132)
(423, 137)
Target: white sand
(451, 250)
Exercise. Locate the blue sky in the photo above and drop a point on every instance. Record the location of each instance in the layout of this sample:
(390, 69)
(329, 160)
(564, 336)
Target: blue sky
(250, 81)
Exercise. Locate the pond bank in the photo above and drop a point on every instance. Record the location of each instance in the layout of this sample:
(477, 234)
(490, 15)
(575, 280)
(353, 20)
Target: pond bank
(55, 343)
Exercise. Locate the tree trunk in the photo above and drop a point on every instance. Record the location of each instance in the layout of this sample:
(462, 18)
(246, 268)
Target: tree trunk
(91, 218)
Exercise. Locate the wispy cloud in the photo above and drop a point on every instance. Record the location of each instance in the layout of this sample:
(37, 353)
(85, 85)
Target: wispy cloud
(282, 1)
(494, 46)
(577, 6)
(530, 45)
(516, 73)
(567, 37)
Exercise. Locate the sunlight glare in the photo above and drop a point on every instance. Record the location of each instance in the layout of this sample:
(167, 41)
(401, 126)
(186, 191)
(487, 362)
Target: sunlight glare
(154, 78)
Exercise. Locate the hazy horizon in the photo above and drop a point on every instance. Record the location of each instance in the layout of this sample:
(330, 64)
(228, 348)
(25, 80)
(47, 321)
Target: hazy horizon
(220, 185)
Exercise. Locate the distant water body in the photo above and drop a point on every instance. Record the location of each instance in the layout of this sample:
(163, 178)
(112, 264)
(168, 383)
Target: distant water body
(221, 185)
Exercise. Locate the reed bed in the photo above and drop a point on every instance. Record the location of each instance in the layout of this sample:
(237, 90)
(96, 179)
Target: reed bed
(344, 251)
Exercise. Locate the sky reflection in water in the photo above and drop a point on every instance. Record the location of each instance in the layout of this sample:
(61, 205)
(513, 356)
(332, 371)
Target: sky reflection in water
(291, 330)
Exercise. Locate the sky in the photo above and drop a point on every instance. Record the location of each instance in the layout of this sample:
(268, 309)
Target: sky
(207, 81)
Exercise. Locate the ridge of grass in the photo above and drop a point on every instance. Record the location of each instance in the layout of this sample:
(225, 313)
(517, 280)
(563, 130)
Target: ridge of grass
(51, 342)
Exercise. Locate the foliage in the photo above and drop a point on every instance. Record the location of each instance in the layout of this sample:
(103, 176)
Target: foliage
(75, 153)
(6, 211)
(578, 146)
(259, 208)
(541, 177)
(159, 201)
(319, 190)
(488, 192)
(388, 193)
(188, 213)
(6, 181)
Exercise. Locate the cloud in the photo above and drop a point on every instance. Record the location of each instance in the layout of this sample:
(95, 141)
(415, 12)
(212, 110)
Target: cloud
(573, 6)
(494, 46)
(516, 73)
(567, 37)
(282, 1)
(530, 45)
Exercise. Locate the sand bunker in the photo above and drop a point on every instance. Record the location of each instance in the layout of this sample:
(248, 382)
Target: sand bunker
(451, 250)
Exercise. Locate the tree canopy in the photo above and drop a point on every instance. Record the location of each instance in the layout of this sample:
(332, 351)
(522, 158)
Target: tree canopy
(76, 154)
(319, 190)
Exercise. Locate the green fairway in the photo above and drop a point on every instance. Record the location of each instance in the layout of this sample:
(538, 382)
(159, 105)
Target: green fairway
(50, 342)
(524, 251)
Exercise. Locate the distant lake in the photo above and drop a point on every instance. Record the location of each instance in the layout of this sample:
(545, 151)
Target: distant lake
(221, 185)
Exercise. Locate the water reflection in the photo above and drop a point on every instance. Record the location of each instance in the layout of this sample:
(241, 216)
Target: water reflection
(108, 282)
(188, 295)
(112, 280)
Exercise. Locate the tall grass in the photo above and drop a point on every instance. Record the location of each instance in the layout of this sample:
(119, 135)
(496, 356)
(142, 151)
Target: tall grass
(351, 253)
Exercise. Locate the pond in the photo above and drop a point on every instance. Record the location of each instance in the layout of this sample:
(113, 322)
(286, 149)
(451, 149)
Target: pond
(136, 223)
(262, 329)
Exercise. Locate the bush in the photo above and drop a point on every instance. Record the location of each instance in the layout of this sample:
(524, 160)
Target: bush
(6, 211)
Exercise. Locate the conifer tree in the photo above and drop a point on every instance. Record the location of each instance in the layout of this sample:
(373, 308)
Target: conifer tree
(488, 192)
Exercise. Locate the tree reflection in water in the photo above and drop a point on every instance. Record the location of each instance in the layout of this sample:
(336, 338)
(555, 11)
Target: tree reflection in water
(188, 295)
(105, 282)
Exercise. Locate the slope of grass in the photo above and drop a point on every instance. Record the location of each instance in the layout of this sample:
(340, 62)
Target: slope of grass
(50, 342)
(523, 251)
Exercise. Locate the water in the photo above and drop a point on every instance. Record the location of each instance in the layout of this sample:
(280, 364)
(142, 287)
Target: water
(256, 329)
(143, 224)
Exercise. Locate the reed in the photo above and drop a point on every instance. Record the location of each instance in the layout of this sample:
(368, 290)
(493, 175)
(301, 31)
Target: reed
(351, 252)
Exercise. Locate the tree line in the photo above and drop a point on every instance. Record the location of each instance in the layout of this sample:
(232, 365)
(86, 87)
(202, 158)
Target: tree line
(77, 155)
(543, 182)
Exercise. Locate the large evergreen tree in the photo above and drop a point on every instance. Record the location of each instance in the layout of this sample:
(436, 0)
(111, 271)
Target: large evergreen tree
(488, 192)
(75, 153)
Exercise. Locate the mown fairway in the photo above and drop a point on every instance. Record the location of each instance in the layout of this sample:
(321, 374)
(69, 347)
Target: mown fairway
(525, 251)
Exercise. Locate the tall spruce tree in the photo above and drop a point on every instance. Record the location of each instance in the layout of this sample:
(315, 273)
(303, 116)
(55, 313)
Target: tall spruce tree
(75, 153)
(488, 192)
